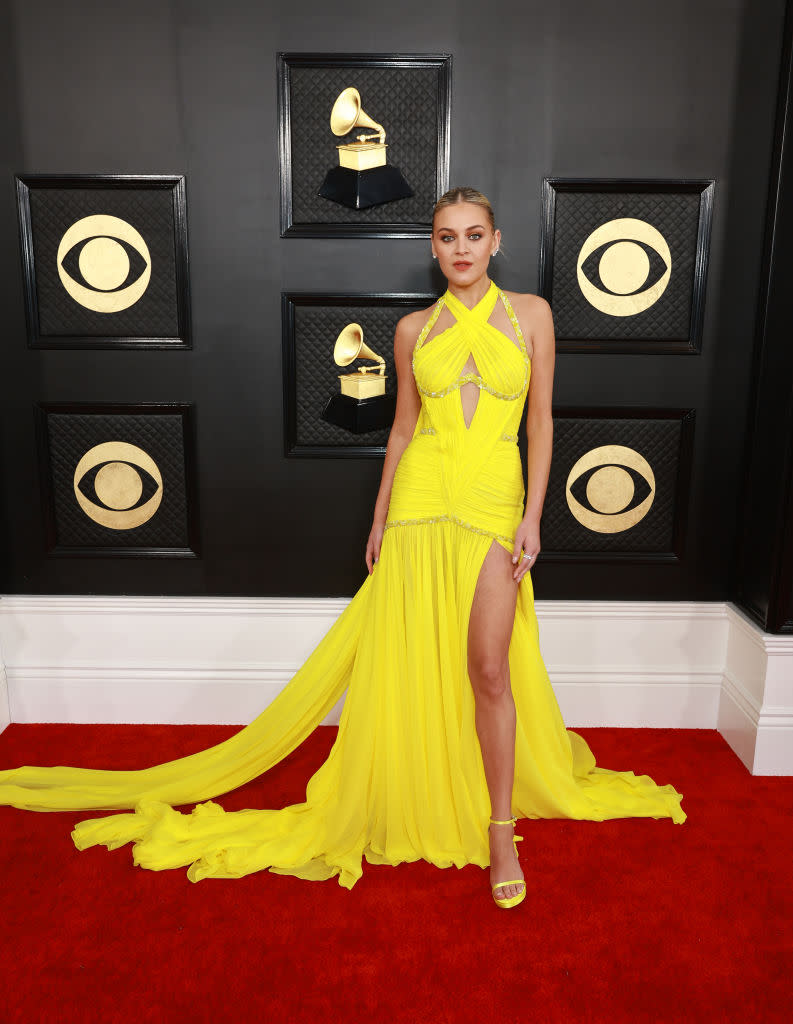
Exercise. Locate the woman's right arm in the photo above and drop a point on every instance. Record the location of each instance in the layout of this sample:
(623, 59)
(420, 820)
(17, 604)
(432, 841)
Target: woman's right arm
(408, 406)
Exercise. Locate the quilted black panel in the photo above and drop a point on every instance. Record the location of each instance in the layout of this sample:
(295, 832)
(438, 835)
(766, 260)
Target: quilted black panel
(316, 372)
(403, 100)
(71, 435)
(656, 440)
(674, 215)
(149, 211)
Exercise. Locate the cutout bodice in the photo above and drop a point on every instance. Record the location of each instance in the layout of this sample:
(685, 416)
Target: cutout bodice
(502, 367)
(453, 471)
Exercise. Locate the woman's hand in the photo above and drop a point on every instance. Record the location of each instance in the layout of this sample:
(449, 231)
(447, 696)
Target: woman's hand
(373, 545)
(527, 541)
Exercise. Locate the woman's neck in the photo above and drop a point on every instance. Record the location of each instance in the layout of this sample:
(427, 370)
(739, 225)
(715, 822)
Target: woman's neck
(471, 294)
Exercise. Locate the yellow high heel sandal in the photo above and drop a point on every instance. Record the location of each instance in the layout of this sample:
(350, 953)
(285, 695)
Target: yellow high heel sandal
(509, 901)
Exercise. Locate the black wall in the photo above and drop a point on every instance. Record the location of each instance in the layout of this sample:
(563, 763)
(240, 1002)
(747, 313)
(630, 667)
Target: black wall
(683, 89)
(763, 568)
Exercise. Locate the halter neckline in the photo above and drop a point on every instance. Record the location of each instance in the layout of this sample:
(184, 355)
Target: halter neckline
(482, 309)
(463, 313)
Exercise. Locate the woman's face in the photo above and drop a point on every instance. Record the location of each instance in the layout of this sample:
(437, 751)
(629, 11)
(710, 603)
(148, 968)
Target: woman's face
(463, 241)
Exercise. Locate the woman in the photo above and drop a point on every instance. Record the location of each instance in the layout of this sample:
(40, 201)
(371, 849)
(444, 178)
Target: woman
(449, 715)
(464, 238)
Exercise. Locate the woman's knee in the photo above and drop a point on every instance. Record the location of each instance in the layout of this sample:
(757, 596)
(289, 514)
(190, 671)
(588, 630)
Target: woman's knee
(488, 676)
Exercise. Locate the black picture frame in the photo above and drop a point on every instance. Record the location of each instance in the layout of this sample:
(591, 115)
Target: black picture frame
(55, 320)
(664, 434)
(52, 473)
(325, 304)
(574, 210)
(383, 221)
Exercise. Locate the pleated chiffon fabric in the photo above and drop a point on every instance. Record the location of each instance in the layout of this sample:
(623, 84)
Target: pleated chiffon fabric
(404, 779)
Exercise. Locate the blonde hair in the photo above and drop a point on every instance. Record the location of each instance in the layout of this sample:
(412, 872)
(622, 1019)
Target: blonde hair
(464, 194)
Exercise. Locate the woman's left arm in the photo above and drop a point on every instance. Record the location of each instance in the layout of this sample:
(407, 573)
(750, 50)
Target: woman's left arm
(539, 430)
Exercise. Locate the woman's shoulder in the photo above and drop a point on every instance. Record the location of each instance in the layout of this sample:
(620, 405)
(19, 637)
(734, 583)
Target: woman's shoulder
(408, 328)
(410, 325)
(527, 301)
(418, 316)
(533, 313)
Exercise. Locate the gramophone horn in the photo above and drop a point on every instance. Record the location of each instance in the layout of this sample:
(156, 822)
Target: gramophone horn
(350, 346)
(347, 114)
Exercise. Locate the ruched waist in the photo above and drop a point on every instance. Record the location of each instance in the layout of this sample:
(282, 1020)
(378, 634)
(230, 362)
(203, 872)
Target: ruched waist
(483, 491)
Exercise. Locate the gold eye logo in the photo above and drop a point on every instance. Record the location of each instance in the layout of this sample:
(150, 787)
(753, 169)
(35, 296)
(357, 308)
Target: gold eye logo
(631, 260)
(124, 473)
(104, 263)
(610, 488)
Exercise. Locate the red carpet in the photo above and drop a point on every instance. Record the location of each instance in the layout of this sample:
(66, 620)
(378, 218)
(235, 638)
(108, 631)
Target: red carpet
(629, 920)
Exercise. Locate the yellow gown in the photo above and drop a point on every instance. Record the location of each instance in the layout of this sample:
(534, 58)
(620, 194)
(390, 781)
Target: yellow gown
(404, 779)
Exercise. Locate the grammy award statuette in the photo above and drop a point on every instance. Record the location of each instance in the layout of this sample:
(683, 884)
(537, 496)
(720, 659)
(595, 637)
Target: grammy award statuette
(362, 403)
(363, 177)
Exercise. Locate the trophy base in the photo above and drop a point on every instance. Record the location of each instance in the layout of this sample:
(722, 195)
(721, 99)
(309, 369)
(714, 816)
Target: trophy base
(360, 415)
(361, 189)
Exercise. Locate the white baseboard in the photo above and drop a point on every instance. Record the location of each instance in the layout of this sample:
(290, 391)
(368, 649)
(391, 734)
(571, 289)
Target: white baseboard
(635, 663)
(621, 697)
(186, 696)
(155, 659)
(222, 660)
(5, 710)
(756, 706)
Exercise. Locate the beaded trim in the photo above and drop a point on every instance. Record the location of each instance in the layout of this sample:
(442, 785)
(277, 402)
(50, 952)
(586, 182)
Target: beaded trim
(432, 430)
(449, 519)
(473, 378)
(514, 319)
(425, 330)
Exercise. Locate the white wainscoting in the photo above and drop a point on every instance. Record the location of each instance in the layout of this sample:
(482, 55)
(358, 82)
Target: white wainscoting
(5, 710)
(756, 707)
(222, 660)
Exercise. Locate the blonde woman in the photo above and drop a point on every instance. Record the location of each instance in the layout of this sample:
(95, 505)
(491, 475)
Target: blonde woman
(450, 729)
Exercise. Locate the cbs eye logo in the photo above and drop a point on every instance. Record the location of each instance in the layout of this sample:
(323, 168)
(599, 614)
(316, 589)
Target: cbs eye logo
(126, 485)
(104, 263)
(624, 267)
(619, 476)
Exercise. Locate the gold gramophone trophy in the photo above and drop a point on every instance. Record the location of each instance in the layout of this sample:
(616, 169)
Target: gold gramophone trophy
(362, 178)
(362, 403)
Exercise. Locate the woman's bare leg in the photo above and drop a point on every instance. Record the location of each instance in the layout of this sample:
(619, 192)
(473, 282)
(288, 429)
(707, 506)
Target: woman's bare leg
(489, 633)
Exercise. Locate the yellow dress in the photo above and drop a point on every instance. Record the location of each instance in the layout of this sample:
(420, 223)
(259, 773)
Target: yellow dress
(404, 779)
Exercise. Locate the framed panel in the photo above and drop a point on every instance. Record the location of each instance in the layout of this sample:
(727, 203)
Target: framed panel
(618, 488)
(623, 263)
(408, 97)
(104, 260)
(318, 418)
(118, 480)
